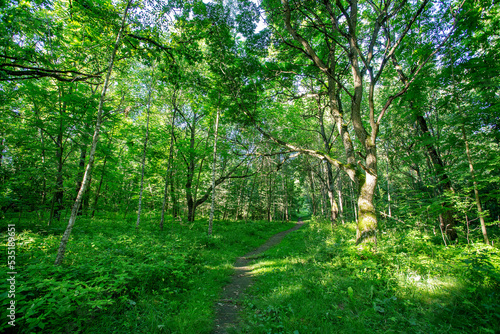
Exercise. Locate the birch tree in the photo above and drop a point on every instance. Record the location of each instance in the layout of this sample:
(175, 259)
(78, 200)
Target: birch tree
(88, 170)
(214, 166)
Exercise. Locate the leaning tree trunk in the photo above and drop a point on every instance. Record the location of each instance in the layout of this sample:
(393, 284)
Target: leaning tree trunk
(95, 139)
(81, 170)
(143, 164)
(447, 221)
(212, 206)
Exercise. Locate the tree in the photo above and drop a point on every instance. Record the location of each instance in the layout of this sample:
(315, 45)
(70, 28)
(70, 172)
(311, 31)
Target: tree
(214, 160)
(88, 169)
(361, 36)
(143, 164)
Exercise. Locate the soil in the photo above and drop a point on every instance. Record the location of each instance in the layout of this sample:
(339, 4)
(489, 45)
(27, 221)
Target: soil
(229, 305)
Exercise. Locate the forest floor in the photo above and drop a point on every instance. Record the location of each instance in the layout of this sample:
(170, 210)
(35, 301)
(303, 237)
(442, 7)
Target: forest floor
(229, 305)
(319, 281)
(116, 279)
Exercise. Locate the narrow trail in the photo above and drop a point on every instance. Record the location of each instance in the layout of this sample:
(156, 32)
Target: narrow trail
(228, 306)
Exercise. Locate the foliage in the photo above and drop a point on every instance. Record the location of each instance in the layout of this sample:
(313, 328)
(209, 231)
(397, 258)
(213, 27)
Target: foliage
(320, 282)
(116, 279)
(385, 113)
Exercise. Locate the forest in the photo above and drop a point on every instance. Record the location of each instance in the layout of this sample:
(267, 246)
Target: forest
(146, 146)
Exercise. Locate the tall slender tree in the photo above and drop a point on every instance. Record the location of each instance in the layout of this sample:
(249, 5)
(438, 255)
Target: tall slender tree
(88, 170)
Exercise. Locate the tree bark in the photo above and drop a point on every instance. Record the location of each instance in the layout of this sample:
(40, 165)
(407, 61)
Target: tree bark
(143, 164)
(249, 206)
(57, 202)
(476, 192)
(169, 171)
(98, 192)
(367, 217)
(95, 139)
(173, 195)
(81, 170)
(2, 145)
(340, 197)
(334, 209)
(313, 190)
(471, 169)
(447, 222)
(214, 161)
(190, 171)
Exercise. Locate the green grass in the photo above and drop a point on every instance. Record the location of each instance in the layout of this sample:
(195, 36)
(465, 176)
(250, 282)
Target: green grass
(117, 280)
(317, 281)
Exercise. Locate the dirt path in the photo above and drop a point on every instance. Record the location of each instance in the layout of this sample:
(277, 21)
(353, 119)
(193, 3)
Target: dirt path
(228, 306)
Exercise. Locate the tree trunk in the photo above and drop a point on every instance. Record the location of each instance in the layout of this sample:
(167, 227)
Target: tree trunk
(98, 192)
(476, 192)
(353, 202)
(169, 171)
(190, 172)
(95, 139)
(143, 164)
(2, 144)
(334, 209)
(285, 190)
(471, 169)
(388, 184)
(57, 202)
(44, 180)
(340, 197)
(447, 222)
(312, 190)
(249, 205)
(367, 217)
(214, 161)
(81, 170)
(173, 195)
(269, 198)
(240, 199)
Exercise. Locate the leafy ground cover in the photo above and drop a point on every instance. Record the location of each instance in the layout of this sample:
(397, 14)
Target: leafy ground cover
(118, 280)
(317, 281)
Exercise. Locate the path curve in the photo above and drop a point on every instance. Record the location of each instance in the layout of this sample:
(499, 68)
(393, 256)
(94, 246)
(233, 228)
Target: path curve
(229, 304)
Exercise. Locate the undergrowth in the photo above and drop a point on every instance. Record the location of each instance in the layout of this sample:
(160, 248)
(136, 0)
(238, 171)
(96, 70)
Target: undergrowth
(317, 281)
(115, 279)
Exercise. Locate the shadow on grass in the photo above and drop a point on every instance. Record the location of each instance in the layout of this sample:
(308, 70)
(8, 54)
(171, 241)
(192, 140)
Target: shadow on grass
(118, 280)
(316, 282)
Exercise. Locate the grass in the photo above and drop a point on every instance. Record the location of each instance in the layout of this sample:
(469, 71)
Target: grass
(118, 280)
(317, 281)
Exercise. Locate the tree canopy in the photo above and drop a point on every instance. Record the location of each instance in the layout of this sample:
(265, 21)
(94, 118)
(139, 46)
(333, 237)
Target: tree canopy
(349, 109)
